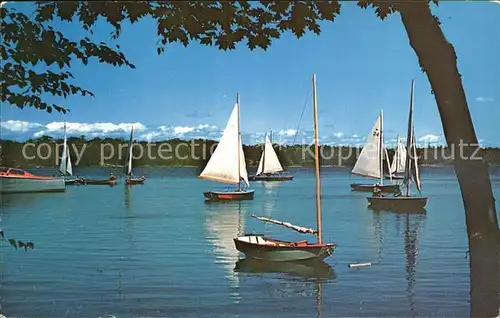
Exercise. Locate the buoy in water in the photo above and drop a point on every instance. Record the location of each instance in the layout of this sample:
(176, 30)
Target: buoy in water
(359, 265)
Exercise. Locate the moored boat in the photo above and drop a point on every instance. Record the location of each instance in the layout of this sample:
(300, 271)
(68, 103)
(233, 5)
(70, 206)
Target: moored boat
(111, 181)
(397, 167)
(130, 178)
(227, 163)
(404, 202)
(263, 248)
(370, 161)
(270, 168)
(14, 180)
(65, 167)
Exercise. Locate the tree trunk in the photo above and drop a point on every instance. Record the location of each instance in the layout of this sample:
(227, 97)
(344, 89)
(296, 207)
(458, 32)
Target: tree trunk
(438, 59)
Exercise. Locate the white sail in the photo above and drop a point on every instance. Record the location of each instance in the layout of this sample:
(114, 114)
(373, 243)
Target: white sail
(222, 225)
(243, 165)
(269, 162)
(69, 168)
(368, 163)
(226, 163)
(398, 162)
(65, 165)
(129, 157)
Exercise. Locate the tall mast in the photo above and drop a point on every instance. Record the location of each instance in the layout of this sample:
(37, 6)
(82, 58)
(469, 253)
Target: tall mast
(264, 155)
(397, 154)
(316, 160)
(409, 140)
(381, 144)
(239, 145)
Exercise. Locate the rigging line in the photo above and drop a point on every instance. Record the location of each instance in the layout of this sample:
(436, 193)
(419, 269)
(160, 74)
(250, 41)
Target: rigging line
(308, 97)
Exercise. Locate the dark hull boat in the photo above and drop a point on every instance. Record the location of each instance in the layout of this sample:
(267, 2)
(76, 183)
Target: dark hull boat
(271, 177)
(110, 182)
(236, 195)
(73, 181)
(262, 248)
(400, 203)
(385, 188)
(135, 180)
(311, 268)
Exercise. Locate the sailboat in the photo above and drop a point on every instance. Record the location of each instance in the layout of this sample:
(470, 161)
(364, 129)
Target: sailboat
(131, 179)
(397, 167)
(371, 159)
(406, 202)
(65, 167)
(259, 247)
(269, 166)
(227, 163)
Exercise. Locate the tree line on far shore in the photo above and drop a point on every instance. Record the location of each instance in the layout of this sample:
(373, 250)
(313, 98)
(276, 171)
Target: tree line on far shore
(178, 152)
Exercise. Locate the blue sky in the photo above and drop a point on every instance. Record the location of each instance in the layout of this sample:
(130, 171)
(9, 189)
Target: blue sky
(362, 64)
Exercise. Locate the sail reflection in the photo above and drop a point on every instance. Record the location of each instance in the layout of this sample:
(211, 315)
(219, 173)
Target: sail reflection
(270, 185)
(127, 197)
(411, 232)
(412, 222)
(313, 271)
(225, 221)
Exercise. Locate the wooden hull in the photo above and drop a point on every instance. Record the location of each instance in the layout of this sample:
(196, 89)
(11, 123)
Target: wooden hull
(310, 269)
(131, 181)
(394, 177)
(385, 188)
(25, 185)
(271, 177)
(262, 248)
(398, 204)
(100, 182)
(73, 181)
(229, 195)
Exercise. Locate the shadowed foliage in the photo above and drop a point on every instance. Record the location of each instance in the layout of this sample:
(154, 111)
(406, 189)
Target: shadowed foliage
(31, 41)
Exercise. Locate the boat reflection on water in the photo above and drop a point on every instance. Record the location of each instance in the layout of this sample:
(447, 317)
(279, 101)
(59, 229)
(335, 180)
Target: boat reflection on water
(223, 221)
(413, 222)
(307, 269)
(128, 198)
(313, 271)
(403, 210)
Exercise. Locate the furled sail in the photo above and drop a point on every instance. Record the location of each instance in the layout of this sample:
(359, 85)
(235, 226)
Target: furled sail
(269, 162)
(398, 163)
(227, 163)
(297, 228)
(411, 166)
(368, 163)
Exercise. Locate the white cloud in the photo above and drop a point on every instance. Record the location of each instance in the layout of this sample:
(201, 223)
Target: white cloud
(95, 129)
(19, 126)
(22, 130)
(430, 138)
(287, 132)
(482, 99)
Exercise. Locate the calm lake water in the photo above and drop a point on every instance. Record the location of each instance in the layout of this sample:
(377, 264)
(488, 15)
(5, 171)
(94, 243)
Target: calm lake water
(159, 250)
